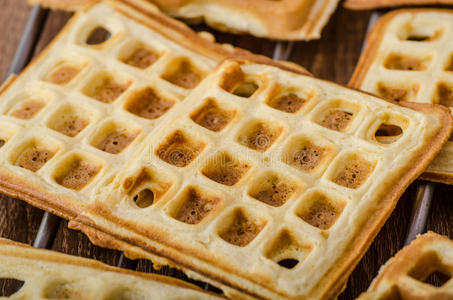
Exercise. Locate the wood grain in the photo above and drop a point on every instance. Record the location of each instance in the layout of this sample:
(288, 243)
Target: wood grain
(333, 57)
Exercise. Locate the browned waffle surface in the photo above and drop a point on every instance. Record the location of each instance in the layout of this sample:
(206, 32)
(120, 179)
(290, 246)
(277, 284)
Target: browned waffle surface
(283, 20)
(408, 58)
(271, 189)
(43, 274)
(421, 270)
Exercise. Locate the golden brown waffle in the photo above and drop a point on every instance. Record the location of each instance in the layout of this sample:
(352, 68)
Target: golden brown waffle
(282, 20)
(266, 183)
(42, 274)
(370, 4)
(261, 181)
(78, 113)
(408, 57)
(421, 270)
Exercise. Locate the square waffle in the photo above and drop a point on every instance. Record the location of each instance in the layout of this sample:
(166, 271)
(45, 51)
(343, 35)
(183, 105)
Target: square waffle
(43, 274)
(421, 270)
(370, 4)
(409, 57)
(283, 20)
(77, 114)
(266, 183)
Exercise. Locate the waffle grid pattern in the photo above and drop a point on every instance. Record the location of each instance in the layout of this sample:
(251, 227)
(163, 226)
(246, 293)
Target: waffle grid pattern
(279, 201)
(412, 61)
(84, 102)
(410, 273)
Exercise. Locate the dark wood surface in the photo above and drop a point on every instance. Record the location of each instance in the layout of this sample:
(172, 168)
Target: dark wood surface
(333, 58)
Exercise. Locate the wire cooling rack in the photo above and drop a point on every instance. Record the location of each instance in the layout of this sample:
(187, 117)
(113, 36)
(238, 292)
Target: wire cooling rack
(282, 51)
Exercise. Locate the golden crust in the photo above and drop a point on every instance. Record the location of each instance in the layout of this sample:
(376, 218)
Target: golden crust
(165, 249)
(24, 263)
(404, 275)
(368, 74)
(371, 4)
(288, 20)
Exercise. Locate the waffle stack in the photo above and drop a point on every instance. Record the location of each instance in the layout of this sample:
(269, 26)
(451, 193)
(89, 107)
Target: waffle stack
(370, 4)
(127, 126)
(421, 270)
(282, 20)
(409, 58)
(42, 274)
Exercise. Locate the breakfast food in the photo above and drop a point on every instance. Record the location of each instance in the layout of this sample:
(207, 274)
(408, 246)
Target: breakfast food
(266, 169)
(31, 273)
(254, 177)
(370, 4)
(421, 270)
(408, 58)
(282, 20)
(73, 119)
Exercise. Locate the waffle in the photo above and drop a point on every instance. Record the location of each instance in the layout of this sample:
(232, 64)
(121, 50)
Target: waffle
(282, 20)
(408, 58)
(77, 114)
(43, 274)
(264, 168)
(371, 4)
(420, 271)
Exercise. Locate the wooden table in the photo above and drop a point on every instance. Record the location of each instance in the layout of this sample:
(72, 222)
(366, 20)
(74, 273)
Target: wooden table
(333, 57)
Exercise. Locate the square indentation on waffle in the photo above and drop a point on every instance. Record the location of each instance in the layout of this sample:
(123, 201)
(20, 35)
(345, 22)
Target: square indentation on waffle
(242, 85)
(225, 169)
(337, 115)
(387, 129)
(146, 187)
(352, 170)
(28, 105)
(407, 62)
(105, 87)
(114, 136)
(289, 100)
(212, 116)
(194, 205)
(320, 209)
(444, 94)
(259, 135)
(148, 103)
(77, 170)
(274, 189)
(180, 149)
(397, 91)
(182, 72)
(97, 36)
(308, 154)
(431, 270)
(65, 71)
(240, 227)
(34, 153)
(287, 250)
(70, 119)
(138, 54)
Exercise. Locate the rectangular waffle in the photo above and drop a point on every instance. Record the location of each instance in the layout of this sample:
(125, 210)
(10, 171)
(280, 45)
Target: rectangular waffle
(32, 273)
(266, 183)
(371, 4)
(421, 270)
(282, 20)
(409, 57)
(84, 98)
